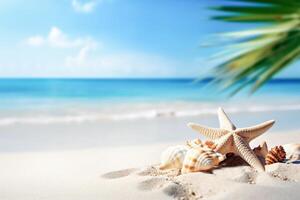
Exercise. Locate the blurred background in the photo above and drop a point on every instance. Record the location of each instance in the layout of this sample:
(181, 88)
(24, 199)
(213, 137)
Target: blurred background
(89, 73)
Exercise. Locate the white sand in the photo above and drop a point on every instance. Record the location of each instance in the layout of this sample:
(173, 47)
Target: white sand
(125, 173)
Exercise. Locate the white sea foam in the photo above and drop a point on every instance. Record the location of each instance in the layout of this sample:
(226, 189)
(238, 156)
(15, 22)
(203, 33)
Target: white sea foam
(143, 112)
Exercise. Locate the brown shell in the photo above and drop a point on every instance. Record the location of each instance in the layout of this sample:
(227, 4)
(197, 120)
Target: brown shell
(276, 154)
(261, 150)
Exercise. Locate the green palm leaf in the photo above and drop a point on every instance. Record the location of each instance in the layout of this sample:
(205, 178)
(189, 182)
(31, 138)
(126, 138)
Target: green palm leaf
(262, 52)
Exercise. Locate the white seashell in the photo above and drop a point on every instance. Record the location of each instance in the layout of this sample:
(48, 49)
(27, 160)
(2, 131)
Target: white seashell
(201, 159)
(173, 157)
(292, 152)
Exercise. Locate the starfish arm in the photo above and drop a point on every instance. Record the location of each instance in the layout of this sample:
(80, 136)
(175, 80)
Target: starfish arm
(244, 151)
(224, 144)
(250, 133)
(224, 121)
(210, 133)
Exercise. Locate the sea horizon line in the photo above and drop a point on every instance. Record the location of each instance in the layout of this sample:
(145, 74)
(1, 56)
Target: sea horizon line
(196, 79)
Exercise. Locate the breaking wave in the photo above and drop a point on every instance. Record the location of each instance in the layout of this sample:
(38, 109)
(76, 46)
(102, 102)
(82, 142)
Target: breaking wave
(132, 114)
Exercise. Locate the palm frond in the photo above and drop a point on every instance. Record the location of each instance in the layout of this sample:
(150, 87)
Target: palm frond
(265, 50)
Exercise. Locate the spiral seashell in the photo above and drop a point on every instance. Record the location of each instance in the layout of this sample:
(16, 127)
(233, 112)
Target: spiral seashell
(276, 154)
(173, 157)
(200, 159)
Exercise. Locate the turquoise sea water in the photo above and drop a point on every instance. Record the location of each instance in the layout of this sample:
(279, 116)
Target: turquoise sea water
(64, 100)
(121, 90)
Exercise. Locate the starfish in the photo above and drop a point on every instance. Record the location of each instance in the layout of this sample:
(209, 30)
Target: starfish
(230, 139)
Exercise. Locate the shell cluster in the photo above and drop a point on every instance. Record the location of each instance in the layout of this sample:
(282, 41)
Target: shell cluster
(198, 156)
(276, 154)
(226, 142)
(230, 142)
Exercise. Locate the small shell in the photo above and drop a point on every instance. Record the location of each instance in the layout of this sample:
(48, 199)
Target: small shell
(276, 154)
(173, 157)
(198, 143)
(210, 144)
(194, 143)
(201, 159)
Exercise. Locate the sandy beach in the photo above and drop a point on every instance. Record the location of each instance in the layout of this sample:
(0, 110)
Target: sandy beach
(150, 100)
(56, 162)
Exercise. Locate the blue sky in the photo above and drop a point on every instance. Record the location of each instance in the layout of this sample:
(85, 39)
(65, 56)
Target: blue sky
(106, 38)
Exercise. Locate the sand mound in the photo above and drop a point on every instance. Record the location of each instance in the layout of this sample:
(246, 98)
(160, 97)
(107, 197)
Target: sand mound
(152, 183)
(239, 182)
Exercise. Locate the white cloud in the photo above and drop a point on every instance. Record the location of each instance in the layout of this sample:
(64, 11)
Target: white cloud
(123, 63)
(81, 56)
(35, 41)
(56, 38)
(84, 7)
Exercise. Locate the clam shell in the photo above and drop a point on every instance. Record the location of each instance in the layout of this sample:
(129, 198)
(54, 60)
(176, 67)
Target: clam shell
(276, 154)
(173, 157)
(201, 159)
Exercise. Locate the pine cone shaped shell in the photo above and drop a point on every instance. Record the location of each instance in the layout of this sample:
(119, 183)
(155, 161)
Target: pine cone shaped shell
(276, 154)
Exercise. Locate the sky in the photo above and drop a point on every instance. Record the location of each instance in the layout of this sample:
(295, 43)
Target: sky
(108, 38)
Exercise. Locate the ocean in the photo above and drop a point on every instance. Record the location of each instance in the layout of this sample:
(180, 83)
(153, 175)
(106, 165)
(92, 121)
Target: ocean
(64, 114)
(79, 100)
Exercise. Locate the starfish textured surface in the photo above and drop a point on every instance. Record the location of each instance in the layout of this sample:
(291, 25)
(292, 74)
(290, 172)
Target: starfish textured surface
(230, 139)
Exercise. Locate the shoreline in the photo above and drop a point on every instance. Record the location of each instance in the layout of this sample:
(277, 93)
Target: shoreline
(20, 137)
(84, 112)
